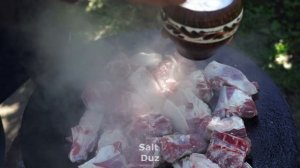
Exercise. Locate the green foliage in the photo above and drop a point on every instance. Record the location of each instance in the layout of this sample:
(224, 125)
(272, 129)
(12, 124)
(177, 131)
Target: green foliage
(112, 17)
(281, 47)
(271, 30)
(94, 5)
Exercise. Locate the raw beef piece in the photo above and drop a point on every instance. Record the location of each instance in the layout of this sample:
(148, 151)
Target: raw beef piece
(166, 75)
(235, 102)
(228, 151)
(195, 160)
(232, 125)
(199, 126)
(96, 94)
(219, 75)
(107, 157)
(112, 136)
(195, 111)
(84, 135)
(197, 82)
(193, 107)
(176, 146)
(144, 153)
(150, 125)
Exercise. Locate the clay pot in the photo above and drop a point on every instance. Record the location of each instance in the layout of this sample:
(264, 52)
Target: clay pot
(198, 34)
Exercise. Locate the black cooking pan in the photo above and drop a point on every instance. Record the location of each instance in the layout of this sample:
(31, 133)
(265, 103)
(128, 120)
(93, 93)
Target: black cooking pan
(2, 144)
(55, 107)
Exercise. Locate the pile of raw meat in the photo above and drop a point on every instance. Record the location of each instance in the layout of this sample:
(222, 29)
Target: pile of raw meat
(148, 110)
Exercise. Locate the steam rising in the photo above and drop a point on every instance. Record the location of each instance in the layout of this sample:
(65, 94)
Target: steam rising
(63, 47)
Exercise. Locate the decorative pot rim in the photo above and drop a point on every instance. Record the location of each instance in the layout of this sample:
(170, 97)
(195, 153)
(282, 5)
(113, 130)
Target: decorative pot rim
(189, 17)
(205, 35)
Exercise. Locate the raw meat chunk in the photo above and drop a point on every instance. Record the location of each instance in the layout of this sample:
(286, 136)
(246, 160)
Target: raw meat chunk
(228, 151)
(176, 146)
(220, 74)
(107, 157)
(150, 125)
(197, 82)
(193, 107)
(195, 160)
(235, 102)
(195, 111)
(199, 126)
(166, 75)
(84, 135)
(233, 125)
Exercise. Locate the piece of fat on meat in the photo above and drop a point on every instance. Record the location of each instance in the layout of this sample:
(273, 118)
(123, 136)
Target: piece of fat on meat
(233, 125)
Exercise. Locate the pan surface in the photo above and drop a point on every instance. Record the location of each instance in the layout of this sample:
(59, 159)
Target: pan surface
(50, 115)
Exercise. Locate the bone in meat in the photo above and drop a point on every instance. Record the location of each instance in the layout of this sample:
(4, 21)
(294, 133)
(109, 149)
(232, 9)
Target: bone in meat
(235, 102)
(220, 74)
